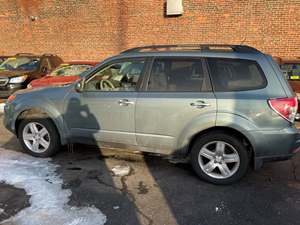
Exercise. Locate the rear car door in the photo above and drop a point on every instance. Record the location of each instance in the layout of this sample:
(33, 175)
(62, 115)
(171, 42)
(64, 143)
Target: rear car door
(177, 93)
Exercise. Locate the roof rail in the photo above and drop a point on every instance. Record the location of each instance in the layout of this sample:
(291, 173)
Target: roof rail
(24, 54)
(193, 47)
(48, 54)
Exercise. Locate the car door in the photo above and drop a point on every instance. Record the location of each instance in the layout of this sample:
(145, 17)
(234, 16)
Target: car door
(177, 95)
(105, 110)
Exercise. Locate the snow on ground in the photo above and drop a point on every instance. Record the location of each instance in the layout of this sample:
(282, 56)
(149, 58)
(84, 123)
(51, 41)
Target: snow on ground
(48, 201)
(2, 107)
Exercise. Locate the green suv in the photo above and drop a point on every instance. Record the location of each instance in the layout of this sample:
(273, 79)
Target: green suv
(222, 107)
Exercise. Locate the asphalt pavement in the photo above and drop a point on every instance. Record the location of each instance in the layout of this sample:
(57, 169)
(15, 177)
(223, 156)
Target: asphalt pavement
(159, 192)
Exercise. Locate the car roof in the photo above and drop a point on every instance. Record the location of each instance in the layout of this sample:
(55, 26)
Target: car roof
(81, 62)
(194, 50)
(31, 55)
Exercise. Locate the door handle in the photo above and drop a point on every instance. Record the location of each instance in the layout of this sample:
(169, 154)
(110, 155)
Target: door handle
(199, 104)
(125, 102)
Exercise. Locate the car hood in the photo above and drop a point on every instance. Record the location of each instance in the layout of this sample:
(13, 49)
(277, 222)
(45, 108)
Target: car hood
(10, 73)
(40, 90)
(50, 80)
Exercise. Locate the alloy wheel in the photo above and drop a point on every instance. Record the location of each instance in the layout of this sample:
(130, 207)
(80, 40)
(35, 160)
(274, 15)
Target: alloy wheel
(219, 159)
(36, 137)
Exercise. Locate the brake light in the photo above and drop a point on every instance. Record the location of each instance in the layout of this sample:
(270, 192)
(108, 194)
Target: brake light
(285, 107)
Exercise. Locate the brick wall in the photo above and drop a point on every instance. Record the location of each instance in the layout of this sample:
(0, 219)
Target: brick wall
(95, 29)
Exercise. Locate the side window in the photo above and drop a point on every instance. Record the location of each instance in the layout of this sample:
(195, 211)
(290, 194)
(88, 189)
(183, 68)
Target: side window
(121, 76)
(236, 75)
(178, 75)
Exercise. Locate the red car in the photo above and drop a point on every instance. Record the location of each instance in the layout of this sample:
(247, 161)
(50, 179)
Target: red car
(65, 73)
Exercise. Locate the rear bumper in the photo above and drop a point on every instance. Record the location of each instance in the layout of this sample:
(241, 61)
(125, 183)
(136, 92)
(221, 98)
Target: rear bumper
(276, 145)
(259, 161)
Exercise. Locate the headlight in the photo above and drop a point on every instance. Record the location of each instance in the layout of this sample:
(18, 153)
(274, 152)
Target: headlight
(29, 86)
(18, 80)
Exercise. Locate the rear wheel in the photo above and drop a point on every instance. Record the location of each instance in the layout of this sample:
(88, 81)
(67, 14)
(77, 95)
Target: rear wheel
(220, 158)
(39, 137)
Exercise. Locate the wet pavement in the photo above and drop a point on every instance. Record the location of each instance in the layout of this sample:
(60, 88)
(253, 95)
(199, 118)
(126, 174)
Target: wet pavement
(12, 200)
(158, 192)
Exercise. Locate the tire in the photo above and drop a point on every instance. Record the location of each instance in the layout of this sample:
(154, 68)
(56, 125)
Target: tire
(208, 161)
(27, 138)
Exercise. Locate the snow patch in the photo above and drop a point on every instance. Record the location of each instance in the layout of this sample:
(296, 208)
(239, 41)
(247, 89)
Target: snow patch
(121, 171)
(2, 107)
(48, 201)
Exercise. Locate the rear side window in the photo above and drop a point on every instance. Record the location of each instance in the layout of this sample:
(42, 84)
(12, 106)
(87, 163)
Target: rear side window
(236, 75)
(178, 75)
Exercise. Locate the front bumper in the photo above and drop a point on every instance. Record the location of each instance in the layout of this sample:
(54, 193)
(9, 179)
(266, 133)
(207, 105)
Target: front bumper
(9, 89)
(8, 120)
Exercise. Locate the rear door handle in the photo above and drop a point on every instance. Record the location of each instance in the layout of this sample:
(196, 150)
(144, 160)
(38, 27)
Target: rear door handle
(199, 104)
(125, 102)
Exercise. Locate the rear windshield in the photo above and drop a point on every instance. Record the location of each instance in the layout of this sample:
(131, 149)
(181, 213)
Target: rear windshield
(236, 75)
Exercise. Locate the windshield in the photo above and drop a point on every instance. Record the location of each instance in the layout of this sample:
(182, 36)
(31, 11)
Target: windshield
(291, 71)
(20, 63)
(70, 70)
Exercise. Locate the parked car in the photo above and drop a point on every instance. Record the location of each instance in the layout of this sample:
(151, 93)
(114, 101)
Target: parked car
(18, 71)
(223, 107)
(3, 58)
(291, 71)
(66, 73)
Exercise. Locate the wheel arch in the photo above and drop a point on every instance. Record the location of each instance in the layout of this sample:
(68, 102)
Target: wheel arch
(40, 113)
(229, 130)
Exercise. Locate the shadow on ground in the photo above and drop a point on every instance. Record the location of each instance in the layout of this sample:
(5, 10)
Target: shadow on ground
(158, 192)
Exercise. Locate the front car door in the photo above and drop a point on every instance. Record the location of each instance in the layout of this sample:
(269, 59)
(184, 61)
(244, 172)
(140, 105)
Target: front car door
(177, 98)
(105, 110)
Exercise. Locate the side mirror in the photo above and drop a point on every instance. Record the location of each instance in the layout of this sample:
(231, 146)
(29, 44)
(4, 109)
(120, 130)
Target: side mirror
(79, 86)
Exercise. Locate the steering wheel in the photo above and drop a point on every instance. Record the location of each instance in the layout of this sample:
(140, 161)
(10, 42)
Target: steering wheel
(104, 84)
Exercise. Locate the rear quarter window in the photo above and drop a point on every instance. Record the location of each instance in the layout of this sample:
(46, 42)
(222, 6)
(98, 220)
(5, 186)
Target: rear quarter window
(236, 75)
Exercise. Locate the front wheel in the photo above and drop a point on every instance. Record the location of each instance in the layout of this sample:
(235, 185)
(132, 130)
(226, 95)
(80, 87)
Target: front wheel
(220, 158)
(39, 137)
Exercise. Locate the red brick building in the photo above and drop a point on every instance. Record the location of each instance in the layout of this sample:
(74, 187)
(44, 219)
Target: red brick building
(94, 29)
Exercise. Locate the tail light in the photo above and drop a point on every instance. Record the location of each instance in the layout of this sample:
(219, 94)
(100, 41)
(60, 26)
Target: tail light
(285, 107)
